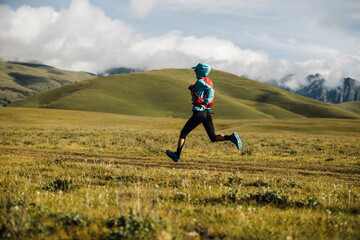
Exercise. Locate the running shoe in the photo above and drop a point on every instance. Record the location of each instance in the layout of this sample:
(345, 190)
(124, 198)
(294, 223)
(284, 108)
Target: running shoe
(236, 140)
(173, 156)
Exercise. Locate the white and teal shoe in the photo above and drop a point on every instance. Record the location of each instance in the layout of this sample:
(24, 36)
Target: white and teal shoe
(236, 140)
(173, 156)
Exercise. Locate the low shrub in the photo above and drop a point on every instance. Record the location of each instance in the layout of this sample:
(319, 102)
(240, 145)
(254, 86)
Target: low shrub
(72, 219)
(271, 197)
(257, 183)
(129, 227)
(234, 181)
(59, 185)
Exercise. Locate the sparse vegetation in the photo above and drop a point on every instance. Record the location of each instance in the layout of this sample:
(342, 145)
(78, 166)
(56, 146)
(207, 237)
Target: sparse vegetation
(83, 175)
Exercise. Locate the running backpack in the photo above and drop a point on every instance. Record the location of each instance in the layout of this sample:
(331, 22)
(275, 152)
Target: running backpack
(200, 101)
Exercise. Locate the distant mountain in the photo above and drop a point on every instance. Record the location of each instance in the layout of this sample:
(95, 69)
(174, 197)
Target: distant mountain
(164, 93)
(19, 80)
(118, 70)
(316, 88)
(349, 90)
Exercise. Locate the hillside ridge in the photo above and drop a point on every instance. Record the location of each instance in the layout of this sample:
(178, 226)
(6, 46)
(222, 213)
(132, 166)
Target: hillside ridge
(19, 80)
(164, 93)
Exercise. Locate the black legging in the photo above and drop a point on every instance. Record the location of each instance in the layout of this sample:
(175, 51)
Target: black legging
(198, 117)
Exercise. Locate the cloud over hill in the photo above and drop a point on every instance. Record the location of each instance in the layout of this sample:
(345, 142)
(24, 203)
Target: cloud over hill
(82, 37)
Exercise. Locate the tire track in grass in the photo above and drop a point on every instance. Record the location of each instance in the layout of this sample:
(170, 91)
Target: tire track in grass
(132, 161)
(224, 166)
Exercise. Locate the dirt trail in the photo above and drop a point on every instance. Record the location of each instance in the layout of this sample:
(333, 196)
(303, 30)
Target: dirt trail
(211, 165)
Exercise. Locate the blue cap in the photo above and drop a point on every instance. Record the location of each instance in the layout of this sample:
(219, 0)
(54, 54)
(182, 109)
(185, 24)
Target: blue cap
(202, 70)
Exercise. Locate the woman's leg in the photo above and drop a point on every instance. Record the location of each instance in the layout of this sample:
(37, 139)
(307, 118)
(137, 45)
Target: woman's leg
(210, 129)
(190, 125)
(209, 126)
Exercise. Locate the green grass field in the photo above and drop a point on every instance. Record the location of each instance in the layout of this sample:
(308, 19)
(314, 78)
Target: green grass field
(86, 175)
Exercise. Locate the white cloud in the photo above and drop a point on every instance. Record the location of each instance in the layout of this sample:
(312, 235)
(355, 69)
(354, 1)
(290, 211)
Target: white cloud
(142, 7)
(83, 38)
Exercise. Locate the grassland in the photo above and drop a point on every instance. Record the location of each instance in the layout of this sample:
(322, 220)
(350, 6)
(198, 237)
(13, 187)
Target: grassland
(85, 175)
(164, 93)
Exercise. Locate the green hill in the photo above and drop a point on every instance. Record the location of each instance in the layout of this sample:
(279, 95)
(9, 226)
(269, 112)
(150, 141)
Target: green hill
(164, 93)
(19, 80)
(350, 106)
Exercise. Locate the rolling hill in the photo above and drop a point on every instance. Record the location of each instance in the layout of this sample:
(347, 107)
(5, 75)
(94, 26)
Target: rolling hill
(164, 93)
(19, 80)
(351, 106)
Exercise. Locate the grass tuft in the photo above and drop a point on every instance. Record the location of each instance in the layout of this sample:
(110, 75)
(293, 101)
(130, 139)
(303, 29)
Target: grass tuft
(59, 185)
(129, 226)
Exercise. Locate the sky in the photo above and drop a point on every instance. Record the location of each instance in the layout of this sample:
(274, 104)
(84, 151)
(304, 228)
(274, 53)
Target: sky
(266, 40)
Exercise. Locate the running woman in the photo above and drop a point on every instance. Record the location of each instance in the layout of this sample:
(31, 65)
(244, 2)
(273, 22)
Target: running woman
(202, 96)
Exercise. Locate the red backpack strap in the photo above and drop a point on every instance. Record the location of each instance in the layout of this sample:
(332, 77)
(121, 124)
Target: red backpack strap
(208, 82)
